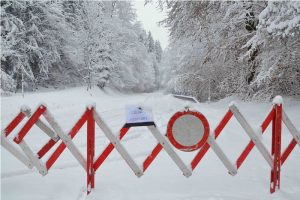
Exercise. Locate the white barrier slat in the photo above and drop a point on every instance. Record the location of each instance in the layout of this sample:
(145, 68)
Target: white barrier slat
(232, 169)
(66, 139)
(42, 126)
(119, 147)
(291, 127)
(168, 148)
(251, 133)
(33, 158)
(16, 152)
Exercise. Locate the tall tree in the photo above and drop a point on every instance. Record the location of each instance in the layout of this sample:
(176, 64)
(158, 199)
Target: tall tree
(30, 38)
(158, 51)
(150, 43)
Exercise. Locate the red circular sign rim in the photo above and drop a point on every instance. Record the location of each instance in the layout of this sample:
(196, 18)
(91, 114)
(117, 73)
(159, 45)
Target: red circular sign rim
(179, 146)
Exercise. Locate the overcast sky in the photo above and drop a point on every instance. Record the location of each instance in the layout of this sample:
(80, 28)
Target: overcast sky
(149, 15)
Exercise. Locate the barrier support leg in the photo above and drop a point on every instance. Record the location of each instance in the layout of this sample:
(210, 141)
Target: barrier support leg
(276, 148)
(90, 151)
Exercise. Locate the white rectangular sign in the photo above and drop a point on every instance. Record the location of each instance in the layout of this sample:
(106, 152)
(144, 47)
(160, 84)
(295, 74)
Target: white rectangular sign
(138, 114)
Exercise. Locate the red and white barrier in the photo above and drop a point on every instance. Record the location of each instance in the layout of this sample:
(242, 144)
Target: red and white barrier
(275, 159)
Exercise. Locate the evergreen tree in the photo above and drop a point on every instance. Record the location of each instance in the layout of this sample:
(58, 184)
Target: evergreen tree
(158, 51)
(150, 43)
(30, 39)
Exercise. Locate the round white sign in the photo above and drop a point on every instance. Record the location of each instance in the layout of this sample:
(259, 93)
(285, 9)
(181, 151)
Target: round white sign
(188, 130)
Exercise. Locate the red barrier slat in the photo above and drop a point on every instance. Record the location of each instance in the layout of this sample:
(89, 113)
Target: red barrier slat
(276, 141)
(152, 156)
(217, 132)
(55, 155)
(62, 146)
(29, 124)
(244, 154)
(14, 123)
(79, 124)
(223, 123)
(46, 148)
(103, 156)
(108, 149)
(288, 150)
(90, 152)
(267, 121)
(250, 145)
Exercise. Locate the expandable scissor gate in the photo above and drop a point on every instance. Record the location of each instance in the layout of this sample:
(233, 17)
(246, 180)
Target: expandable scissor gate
(24, 154)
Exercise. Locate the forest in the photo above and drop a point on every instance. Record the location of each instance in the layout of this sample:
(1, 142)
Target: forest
(246, 48)
(216, 48)
(71, 43)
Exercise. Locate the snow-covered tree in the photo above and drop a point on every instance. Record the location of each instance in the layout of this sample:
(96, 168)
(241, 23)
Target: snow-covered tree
(96, 42)
(30, 39)
(208, 37)
(277, 38)
(150, 43)
(247, 48)
(158, 50)
(133, 65)
(281, 18)
(7, 83)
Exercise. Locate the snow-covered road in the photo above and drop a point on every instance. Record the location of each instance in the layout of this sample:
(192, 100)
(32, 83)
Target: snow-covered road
(66, 180)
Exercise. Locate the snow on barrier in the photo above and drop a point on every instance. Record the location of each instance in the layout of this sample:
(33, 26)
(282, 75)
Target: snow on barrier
(187, 131)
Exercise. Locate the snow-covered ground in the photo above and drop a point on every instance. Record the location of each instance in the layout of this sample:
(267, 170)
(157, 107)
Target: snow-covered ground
(66, 180)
